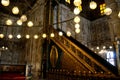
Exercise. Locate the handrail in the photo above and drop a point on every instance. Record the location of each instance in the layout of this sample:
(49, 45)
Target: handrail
(77, 51)
(71, 53)
(97, 59)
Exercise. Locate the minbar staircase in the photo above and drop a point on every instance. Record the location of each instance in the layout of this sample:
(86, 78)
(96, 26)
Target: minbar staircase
(95, 67)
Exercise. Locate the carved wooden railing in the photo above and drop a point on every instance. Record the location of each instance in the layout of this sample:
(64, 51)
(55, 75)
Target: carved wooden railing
(89, 60)
(62, 74)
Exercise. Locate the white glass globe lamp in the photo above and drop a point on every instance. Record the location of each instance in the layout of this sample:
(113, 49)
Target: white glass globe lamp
(60, 33)
(110, 47)
(23, 18)
(77, 25)
(104, 47)
(18, 36)
(36, 36)
(76, 11)
(44, 35)
(15, 10)
(97, 47)
(93, 5)
(68, 33)
(77, 30)
(77, 2)
(30, 24)
(5, 2)
(77, 19)
(1, 35)
(52, 35)
(27, 36)
(108, 11)
(10, 36)
(9, 22)
(19, 22)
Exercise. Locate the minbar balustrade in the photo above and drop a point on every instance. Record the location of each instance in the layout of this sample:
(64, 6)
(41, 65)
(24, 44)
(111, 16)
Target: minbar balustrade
(80, 55)
(62, 74)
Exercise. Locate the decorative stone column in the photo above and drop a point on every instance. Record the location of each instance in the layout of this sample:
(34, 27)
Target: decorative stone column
(34, 46)
(114, 24)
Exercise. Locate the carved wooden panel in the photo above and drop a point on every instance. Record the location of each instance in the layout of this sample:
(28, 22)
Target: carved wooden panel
(70, 64)
(53, 56)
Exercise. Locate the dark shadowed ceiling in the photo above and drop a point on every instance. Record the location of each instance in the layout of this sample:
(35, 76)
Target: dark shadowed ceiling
(86, 11)
(25, 5)
(89, 13)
